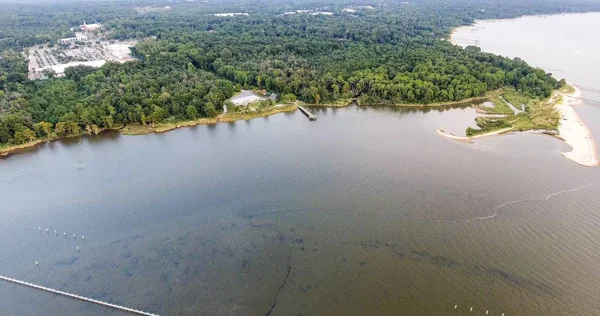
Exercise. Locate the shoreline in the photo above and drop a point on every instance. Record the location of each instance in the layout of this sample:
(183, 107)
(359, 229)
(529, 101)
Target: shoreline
(132, 130)
(503, 131)
(6, 151)
(571, 128)
(337, 104)
(455, 30)
(459, 103)
(229, 117)
(573, 131)
(138, 129)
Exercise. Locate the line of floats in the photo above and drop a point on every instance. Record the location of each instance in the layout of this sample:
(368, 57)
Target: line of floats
(71, 295)
(487, 312)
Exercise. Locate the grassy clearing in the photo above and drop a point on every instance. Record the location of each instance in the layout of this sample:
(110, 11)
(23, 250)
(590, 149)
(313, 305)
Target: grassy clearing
(516, 99)
(335, 104)
(500, 107)
(538, 114)
(567, 89)
(486, 125)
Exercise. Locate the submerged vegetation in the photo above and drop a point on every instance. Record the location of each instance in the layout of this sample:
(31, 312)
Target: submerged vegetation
(189, 62)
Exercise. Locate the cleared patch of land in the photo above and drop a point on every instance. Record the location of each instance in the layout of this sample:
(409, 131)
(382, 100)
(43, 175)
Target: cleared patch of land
(58, 58)
(337, 104)
(536, 114)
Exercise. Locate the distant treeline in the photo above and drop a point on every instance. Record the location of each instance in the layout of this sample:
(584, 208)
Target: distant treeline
(190, 62)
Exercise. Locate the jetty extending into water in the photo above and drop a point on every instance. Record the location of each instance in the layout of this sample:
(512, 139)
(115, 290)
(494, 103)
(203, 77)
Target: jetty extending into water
(590, 89)
(310, 116)
(86, 299)
(587, 101)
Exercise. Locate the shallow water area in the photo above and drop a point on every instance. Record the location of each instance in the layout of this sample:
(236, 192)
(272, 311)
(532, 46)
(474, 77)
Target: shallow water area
(365, 211)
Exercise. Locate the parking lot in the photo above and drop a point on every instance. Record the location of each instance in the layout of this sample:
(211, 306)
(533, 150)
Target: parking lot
(60, 57)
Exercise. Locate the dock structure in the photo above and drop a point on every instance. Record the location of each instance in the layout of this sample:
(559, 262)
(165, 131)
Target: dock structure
(590, 101)
(310, 116)
(587, 101)
(597, 90)
(85, 299)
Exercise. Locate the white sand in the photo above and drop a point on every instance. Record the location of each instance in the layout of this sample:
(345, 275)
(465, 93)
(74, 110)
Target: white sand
(467, 138)
(575, 133)
(571, 130)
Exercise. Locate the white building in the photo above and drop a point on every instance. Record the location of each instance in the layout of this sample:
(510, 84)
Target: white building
(90, 27)
(60, 69)
(322, 13)
(78, 37)
(230, 14)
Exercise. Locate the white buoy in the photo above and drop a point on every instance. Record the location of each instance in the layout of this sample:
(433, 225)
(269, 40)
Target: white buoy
(77, 248)
(55, 233)
(40, 228)
(82, 237)
(36, 263)
(65, 234)
(471, 309)
(455, 306)
(46, 229)
(502, 314)
(486, 312)
(74, 236)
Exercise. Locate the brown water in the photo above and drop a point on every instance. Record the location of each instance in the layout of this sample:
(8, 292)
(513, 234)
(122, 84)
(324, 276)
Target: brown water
(365, 211)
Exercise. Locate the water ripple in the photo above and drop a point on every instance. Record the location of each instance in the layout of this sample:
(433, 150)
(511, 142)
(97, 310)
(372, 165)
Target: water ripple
(498, 209)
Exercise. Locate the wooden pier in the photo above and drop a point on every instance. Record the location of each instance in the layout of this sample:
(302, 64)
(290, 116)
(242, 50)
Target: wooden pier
(310, 116)
(85, 299)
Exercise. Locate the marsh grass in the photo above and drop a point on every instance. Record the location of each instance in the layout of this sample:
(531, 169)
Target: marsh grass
(538, 114)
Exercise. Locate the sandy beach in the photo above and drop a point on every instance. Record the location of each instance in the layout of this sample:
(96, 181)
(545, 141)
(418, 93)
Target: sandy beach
(575, 133)
(571, 130)
(469, 138)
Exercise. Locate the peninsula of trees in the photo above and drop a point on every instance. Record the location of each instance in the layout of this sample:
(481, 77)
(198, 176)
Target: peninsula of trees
(190, 61)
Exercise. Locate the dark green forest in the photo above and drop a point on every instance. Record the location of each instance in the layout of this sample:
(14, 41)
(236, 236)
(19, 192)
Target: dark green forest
(190, 61)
